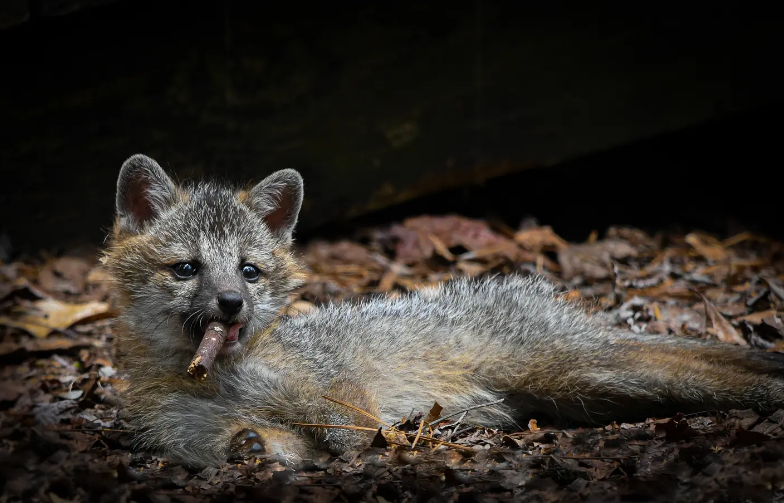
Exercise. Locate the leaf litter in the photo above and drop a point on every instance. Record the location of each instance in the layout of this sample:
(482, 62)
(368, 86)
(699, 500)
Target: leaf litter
(63, 440)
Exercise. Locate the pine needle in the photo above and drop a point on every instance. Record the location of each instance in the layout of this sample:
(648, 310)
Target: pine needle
(337, 426)
(357, 409)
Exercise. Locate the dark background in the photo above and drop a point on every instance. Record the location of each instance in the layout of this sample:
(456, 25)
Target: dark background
(582, 114)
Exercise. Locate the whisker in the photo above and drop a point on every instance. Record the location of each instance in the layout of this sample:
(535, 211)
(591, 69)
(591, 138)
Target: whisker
(182, 330)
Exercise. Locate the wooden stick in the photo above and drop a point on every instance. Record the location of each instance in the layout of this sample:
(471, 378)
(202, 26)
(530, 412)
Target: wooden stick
(210, 346)
(419, 433)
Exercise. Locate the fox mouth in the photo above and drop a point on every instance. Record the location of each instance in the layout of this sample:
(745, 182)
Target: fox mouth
(236, 331)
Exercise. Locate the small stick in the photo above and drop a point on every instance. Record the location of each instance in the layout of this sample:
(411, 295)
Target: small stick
(365, 428)
(437, 421)
(457, 425)
(210, 346)
(419, 433)
(357, 409)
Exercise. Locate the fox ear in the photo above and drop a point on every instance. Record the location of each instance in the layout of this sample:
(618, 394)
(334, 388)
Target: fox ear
(278, 199)
(144, 190)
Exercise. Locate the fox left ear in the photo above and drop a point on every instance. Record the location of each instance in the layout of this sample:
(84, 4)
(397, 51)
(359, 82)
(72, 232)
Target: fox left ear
(278, 199)
(144, 191)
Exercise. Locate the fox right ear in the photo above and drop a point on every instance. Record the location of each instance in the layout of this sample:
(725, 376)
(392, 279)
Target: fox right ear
(278, 199)
(144, 190)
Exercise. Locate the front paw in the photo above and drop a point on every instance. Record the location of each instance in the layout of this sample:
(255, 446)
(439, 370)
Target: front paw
(270, 443)
(246, 443)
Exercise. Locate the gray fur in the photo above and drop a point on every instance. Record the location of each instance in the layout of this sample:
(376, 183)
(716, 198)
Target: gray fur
(462, 343)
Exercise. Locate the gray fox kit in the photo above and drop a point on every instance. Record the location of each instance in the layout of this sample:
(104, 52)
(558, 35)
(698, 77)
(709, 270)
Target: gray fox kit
(182, 257)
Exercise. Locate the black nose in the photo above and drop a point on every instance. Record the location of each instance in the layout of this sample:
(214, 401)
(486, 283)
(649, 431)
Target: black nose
(230, 302)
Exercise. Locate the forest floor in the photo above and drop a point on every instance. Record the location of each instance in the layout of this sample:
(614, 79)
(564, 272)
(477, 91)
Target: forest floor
(61, 439)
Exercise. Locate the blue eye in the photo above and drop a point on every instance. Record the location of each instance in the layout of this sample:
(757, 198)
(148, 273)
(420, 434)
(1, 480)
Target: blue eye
(184, 270)
(250, 273)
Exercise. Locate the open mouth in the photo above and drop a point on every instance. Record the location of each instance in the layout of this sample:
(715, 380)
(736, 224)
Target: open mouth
(235, 331)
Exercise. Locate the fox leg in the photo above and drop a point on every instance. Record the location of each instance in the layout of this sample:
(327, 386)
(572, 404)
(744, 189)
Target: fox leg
(337, 440)
(255, 440)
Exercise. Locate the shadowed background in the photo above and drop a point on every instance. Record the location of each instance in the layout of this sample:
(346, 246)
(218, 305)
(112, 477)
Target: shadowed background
(578, 113)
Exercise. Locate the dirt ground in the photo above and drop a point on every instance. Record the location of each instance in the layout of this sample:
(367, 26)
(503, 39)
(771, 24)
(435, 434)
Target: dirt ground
(61, 439)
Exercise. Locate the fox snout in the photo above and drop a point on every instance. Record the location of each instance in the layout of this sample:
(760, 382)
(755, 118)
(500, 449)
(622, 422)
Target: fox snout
(230, 302)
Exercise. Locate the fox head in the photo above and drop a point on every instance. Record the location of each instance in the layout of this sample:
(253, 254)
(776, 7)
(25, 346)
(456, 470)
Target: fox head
(182, 256)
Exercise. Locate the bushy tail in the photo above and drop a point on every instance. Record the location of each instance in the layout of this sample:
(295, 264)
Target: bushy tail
(653, 376)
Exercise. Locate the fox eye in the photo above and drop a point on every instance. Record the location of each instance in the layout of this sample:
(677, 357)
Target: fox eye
(184, 270)
(250, 273)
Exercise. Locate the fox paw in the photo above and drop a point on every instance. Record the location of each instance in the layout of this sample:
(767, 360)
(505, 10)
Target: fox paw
(269, 443)
(247, 443)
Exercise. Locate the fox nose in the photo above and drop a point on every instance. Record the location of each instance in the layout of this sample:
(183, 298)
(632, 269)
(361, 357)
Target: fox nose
(230, 302)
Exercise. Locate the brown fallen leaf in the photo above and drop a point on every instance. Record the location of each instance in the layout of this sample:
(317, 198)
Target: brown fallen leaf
(387, 282)
(635, 237)
(745, 437)
(532, 425)
(414, 241)
(594, 260)
(435, 413)
(47, 315)
(21, 287)
(471, 268)
(508, 441)
(725, 332)
(10, 391)
(537, 239)
(441, 248)
(379, 440)
(709, 248)
(675, 429)
(48, 344)
(756, 318)
(64, 275)
(668, 288)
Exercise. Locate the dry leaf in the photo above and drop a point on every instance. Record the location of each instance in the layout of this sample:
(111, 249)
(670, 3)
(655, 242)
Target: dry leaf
(435, 413)
(415, 238)
(725, 332)
(48, 315)
(756, 318)
(537, 239)
(64, 275)
(712, 251)
(594, 261)
(47, 344)
(471, 268)
(441, 248)
(532, 425)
